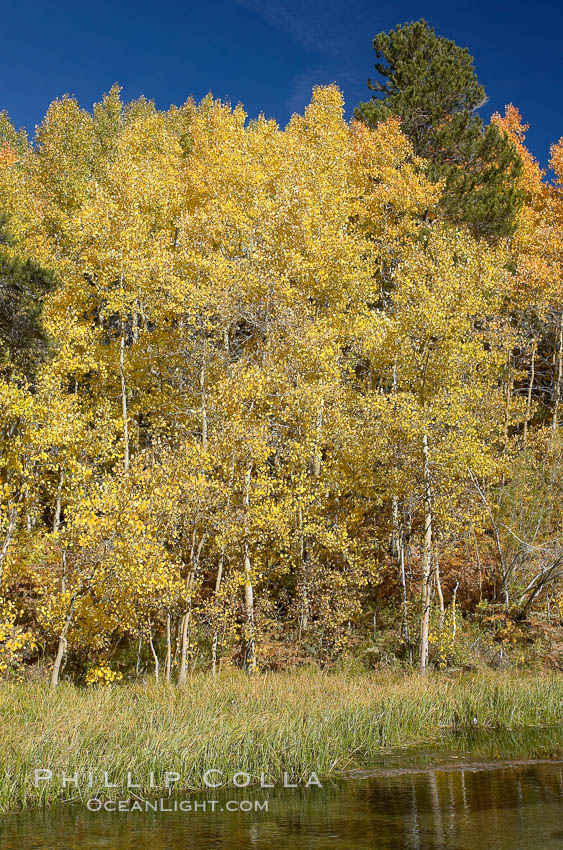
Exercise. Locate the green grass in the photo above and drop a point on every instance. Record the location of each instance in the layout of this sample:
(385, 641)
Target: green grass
(275, 723)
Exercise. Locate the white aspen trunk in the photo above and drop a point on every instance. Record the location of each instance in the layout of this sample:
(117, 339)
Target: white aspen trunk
(186, 622)
(220, 567)
(508, 400)
(426, 561)
(203, 404)
(404, 599)
(395, 531)
(250, 645)
(317, 459)
(58, 503)
(12, 523)
(215, 641)
(558, 378)
(177, 639)
(58, 658)
(317, 462)
(478, 557)
(439, 590)
(304, 613)
(124, 399)
(168, 666)
(214, 647)
(138, 664)
(154, 654)
(135, 323)
(61, 649)
(398, 546)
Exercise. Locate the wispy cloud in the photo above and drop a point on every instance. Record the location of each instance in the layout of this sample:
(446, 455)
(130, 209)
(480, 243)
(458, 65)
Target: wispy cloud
(324, 26)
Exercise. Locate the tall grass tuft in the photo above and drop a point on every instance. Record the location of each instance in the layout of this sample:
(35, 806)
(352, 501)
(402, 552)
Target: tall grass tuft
(279, 723)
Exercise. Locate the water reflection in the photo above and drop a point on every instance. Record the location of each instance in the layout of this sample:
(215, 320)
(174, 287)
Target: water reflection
(418, 800)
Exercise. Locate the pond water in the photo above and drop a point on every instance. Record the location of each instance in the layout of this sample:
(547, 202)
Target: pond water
(482, 793)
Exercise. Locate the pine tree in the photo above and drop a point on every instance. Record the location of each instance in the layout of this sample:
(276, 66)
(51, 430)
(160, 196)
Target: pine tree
(23, 285)
(430, 84)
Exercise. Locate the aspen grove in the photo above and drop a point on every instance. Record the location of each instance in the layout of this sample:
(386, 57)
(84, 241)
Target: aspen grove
(261, 402)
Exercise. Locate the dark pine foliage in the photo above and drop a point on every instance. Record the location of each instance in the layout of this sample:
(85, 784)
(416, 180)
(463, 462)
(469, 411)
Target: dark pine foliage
(23, 286)
(430, 84)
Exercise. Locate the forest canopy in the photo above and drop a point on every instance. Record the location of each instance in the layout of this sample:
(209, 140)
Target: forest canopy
(266, 397)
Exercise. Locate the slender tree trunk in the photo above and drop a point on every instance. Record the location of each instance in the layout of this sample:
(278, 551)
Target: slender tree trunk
(220, 567)
(395, 528)
(215, 641)
(203, 390)
(558, 376)
(168, 666)
(124, 412)
(439, 589)
(404, 599)
(58, 658)
(530, 389)
(304, 558)
(502, 563)
(508, 400)
(178, 638)
(398, 545)
(214, 649)
(478, 564)
(249, 637)
(426, 560)
(58, 503)
(135, 323)
(186, 622)
(138, 664)
(250, 645)
(12, 523)
(154, 654)
(61, 649)
(317, 458)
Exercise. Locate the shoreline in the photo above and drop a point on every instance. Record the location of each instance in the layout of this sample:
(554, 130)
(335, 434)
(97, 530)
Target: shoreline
(281, 725)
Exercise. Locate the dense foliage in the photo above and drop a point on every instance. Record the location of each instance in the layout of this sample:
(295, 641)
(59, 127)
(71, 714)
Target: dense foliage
(260, 398)
(430, 83)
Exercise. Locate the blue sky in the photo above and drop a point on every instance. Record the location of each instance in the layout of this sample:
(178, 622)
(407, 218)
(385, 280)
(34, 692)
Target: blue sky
(267, 54)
